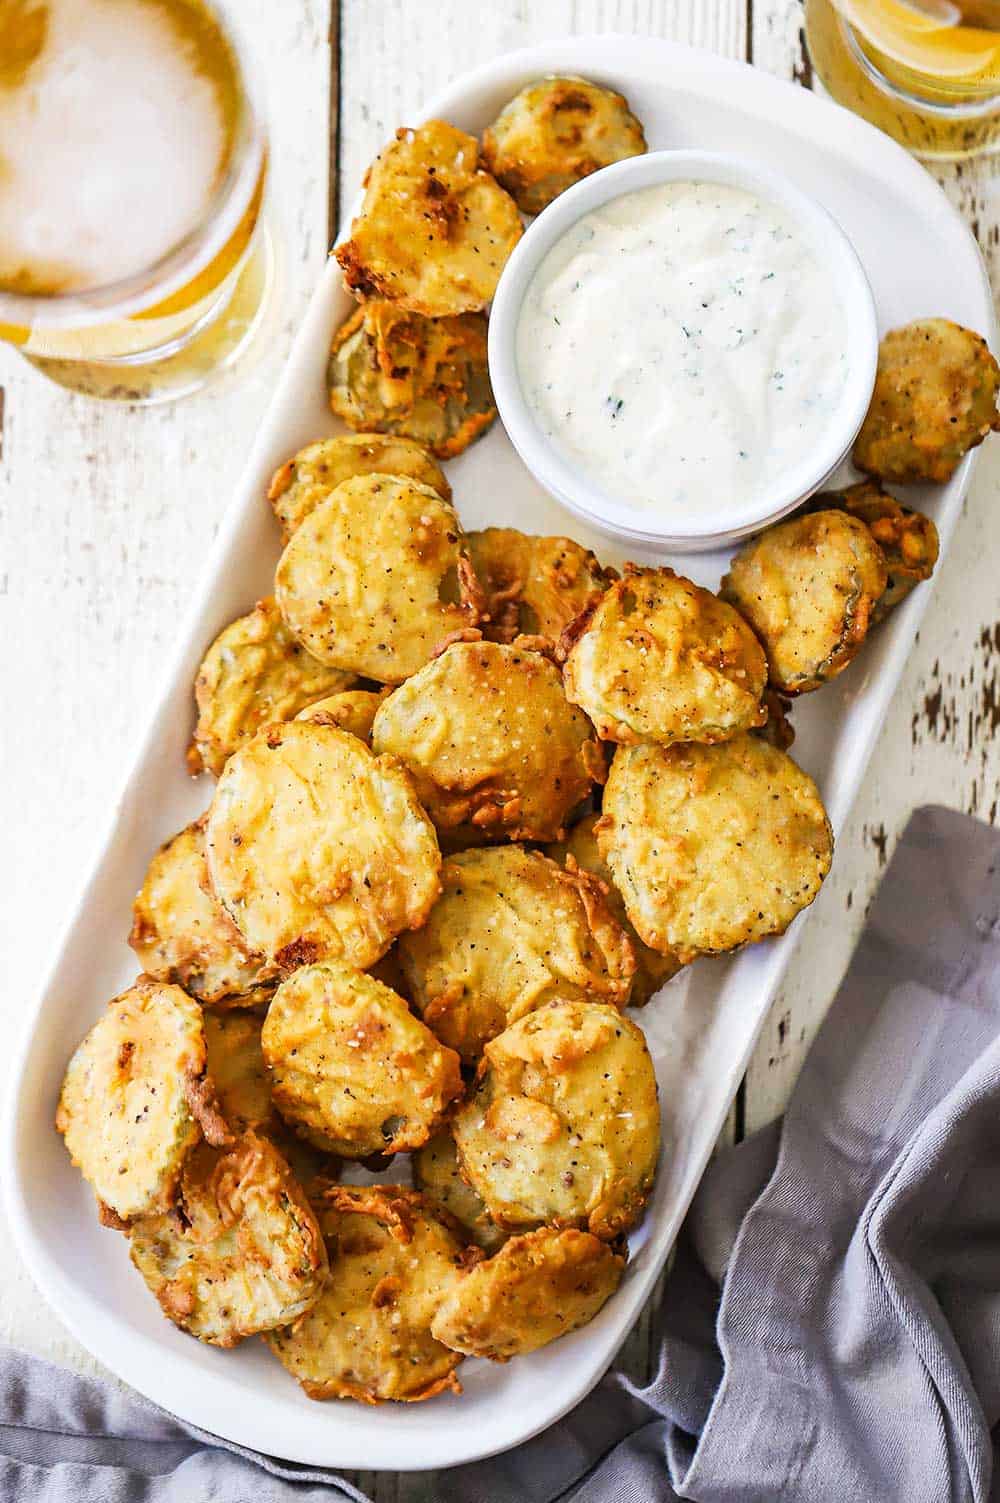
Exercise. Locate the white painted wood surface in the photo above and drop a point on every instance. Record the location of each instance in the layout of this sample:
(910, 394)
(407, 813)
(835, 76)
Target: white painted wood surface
(106, 514)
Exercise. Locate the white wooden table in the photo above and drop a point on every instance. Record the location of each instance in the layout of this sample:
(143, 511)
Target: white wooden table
(107, 514)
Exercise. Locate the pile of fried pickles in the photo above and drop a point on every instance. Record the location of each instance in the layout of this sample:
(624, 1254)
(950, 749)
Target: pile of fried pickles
(476, 795)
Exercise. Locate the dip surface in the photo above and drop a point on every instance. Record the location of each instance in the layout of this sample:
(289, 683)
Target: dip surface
(683, 346)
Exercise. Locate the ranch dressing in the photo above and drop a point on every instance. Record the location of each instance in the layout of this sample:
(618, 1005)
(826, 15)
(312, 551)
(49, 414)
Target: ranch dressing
(683, 346)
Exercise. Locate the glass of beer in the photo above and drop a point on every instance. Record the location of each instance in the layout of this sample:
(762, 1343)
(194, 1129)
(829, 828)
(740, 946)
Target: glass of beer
(925, 71)
(133, 159)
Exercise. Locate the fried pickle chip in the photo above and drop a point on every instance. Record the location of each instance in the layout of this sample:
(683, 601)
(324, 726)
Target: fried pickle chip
(434, 230)
(302, 482)
(713, 847)
(534, 586)
(809, 588)
(494, 747)
(935, 399)
(377, 577)
(240, 1253)
(563, 1125)
(351, 1067)
(580, 851)
(907, 538)
(135, 1099)
(254, 673)
(538, 1287)
(181, 934)
(368, 1336)
(319, 850)
(510, 931)
(423, 378)
(555, 132)
(661, 659)
(354, 710)
(437, 1173)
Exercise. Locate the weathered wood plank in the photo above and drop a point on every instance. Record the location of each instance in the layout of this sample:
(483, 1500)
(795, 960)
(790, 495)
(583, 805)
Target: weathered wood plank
(334, 42)
(777, 39)
(973, 189)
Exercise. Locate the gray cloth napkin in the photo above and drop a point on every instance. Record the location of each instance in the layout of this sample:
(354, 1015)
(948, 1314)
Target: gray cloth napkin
(831, 1329)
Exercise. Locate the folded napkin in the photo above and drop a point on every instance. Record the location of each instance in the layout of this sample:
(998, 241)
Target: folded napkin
(831, 1329)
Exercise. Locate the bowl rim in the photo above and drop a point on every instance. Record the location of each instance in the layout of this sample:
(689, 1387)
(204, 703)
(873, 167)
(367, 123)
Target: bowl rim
(557, 473)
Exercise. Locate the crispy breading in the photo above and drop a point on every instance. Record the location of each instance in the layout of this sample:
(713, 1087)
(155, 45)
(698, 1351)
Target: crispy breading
(426, 379)
(712, 847)
(354, 710)
(908, 539)
(241, 1253)
(135, 1099)
(538, 1287)
(182, 934)
(437, 1173)
(935, 399)
(555, 132)
(495, 749)
(435, 229)
(563, 1125)
(377, 577)
(351, 1067)
(579, 848)
(661, 659)
(392, 1259)
(809, 588)
(533, 585)
(510, 931)
(317, 849)
(302, 482)
(254, 673)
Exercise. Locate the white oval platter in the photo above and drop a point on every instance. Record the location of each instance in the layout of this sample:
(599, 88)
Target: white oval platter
(921, 260)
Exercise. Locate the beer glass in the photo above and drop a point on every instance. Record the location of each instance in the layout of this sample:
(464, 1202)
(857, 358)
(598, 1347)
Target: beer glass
(133, 159)
(925, 71)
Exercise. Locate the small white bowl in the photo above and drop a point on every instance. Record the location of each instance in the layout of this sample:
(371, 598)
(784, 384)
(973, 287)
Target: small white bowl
(730, 520)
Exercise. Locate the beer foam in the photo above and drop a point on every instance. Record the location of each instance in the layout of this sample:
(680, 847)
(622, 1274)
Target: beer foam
(111, 144)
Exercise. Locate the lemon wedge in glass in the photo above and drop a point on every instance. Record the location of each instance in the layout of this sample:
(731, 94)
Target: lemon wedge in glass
(929, 38)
